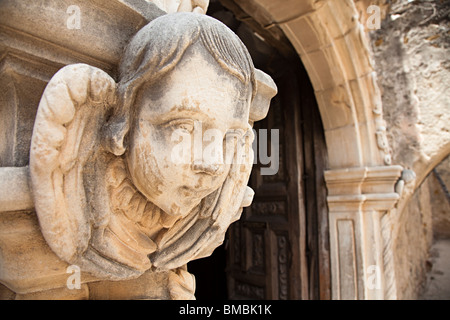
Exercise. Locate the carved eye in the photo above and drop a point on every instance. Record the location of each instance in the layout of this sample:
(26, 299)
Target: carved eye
(186, 125)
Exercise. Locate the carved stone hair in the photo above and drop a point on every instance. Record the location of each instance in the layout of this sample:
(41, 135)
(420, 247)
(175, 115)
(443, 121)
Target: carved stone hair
(158, 47)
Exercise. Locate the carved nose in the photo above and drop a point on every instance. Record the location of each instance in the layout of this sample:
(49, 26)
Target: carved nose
(209, 168)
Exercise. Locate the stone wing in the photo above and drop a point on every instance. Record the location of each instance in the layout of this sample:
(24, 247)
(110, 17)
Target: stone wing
(66, 137)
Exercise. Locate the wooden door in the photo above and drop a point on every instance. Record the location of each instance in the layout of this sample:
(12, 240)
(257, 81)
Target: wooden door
(276, 250)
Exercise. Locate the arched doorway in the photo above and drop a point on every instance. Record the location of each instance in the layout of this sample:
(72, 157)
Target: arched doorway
(276, 250)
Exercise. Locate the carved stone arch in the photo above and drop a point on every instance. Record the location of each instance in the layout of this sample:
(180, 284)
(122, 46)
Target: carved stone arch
(331, 43)
(426, 164)
(422, 168)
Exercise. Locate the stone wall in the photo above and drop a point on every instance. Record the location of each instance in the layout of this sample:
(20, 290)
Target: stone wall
(412, 244)
(439, 190)
(411, 60)
(413, 69)
(424, 222)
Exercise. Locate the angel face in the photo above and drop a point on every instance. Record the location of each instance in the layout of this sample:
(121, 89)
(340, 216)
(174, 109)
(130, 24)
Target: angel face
(189, 103)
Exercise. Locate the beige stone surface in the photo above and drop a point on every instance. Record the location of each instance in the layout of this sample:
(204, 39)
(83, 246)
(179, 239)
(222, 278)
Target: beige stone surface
(15, 193)
(171, 6)
(411, 60)
(333, 46)
(438, 279)
(383, 101)
(412, 244)
(359, 201)
(439, 181)
(98, 44)
(170, 285)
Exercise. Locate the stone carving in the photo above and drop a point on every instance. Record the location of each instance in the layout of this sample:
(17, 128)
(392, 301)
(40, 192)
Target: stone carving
(171, 6)
(380, 133)
(108, 193)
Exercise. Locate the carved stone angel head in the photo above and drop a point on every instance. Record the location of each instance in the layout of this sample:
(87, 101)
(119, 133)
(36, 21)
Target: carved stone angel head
(108, 193)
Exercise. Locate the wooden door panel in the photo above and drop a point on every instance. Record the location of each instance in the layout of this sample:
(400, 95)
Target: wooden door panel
(279, 247)
(264, 244)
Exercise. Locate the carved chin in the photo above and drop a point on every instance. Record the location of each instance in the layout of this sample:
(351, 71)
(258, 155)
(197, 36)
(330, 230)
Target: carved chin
(183, 207)
(178, 202)
(175, 210)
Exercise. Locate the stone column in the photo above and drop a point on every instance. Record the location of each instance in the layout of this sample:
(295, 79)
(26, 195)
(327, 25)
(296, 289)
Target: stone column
(359, 201)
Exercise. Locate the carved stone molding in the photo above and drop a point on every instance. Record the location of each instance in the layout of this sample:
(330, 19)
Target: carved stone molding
(359, 202)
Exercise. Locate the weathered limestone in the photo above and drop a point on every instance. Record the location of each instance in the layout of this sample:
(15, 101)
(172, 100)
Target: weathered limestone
(332, 40)
(35, 42)
(359, 202)
(330, 37)
(14, 189)
(410, 53)
(333, 46)
(132, 209)
(171, 6)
